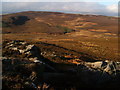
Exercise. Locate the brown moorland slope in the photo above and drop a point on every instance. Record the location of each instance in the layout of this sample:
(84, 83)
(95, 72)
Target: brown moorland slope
(58, 51)
(95, 35)
(55, 22)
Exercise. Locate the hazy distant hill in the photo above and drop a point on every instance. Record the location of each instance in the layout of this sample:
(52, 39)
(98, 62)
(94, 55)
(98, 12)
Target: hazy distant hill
(57, 23)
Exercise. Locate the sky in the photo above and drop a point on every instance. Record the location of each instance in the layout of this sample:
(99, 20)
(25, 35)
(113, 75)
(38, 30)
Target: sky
(97, 7)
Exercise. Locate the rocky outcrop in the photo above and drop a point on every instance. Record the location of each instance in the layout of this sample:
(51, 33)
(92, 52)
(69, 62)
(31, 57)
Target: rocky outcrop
(25, 67)
(100, 73)
(21, 49)
(110, 67)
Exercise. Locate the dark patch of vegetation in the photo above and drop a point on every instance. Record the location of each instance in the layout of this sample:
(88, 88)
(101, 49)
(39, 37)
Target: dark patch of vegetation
(66, 29)
(4, 24)
(19, 20)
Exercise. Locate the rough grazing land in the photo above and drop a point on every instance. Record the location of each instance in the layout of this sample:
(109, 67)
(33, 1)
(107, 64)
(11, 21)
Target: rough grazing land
(28, 65)
(58, 51)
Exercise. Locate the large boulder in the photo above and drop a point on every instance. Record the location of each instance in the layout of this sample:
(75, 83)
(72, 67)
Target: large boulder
(110, 67)
(99, 73)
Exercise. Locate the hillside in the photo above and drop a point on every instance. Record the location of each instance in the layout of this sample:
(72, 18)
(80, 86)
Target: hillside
(59, 51)
(55, 22)
(94, 35)
(47, 66)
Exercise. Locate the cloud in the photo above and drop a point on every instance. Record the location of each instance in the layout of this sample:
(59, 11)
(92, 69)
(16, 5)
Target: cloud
(113, 8)
(60, 0)
(21, 0)
(71, 7)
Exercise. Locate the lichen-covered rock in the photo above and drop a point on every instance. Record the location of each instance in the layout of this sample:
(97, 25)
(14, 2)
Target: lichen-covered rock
(21, 49)
(110, 67)
(98, 64)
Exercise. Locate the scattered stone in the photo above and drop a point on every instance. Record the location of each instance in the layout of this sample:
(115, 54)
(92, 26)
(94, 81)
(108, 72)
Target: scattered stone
(15, 48)
(21, 51)
(23, 43)
(38, 61)
(29, 47)
(24, 49)
(97, 64)
(22, 58)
